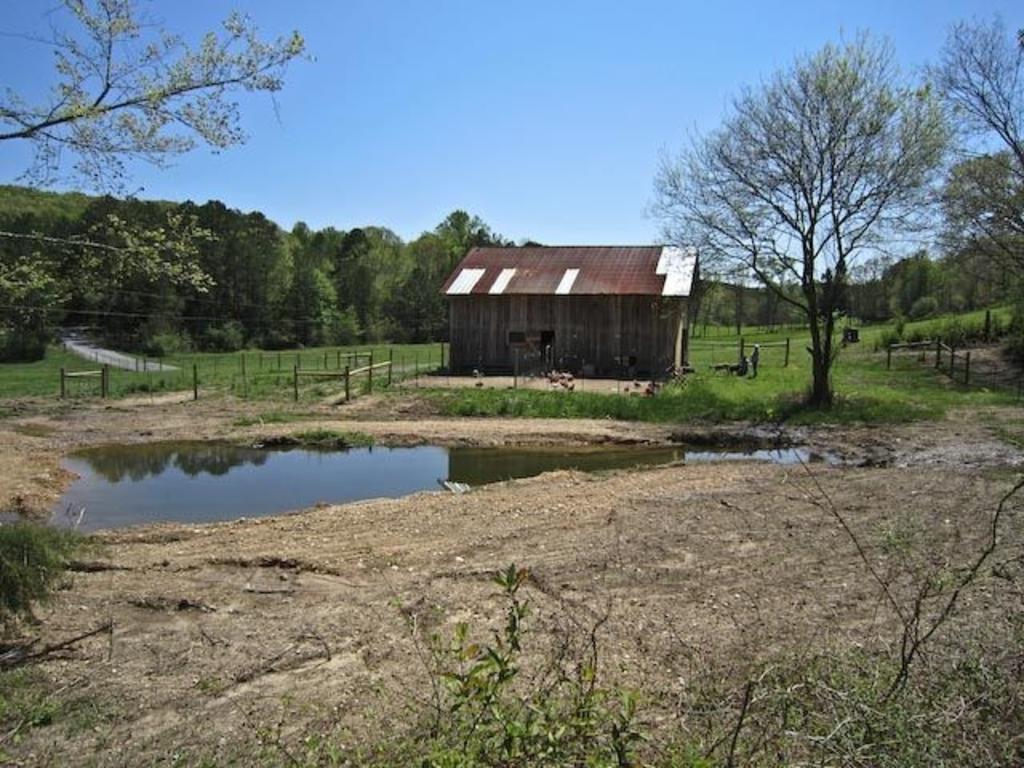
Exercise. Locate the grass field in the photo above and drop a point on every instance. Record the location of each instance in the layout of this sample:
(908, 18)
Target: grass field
(866, 390)
(267, 375)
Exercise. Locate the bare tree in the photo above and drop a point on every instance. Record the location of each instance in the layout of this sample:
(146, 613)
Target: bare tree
(823, 161)
(981, 75)
(126, 90)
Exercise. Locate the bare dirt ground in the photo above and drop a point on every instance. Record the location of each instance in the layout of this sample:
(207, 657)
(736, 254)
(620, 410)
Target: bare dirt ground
(605, 386)
(224, 631)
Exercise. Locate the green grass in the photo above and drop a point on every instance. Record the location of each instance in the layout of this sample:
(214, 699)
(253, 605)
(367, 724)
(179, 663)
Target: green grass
(32, 558)
(272, 417)
(267, 375)
(24, 704)
(866, 392)
(333, 438)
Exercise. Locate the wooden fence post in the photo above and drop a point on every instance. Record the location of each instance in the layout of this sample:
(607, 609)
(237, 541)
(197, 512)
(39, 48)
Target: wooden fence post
(967, 368)
(347, 389)
(295, 384)
(279, 361)
(195, 381)
(888, 357)
(105, 381)
(337, 363)
(515, 371)
(63, 385)
(243, 366)
(938, 352)
(391, 363)
(369, 375)
(952, 361)
(786, 363)
(743, 348)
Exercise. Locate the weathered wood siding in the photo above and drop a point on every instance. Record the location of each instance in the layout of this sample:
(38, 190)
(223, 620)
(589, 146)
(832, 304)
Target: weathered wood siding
(597, 331)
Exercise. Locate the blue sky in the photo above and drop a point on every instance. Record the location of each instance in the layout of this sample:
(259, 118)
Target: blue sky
(544, 118)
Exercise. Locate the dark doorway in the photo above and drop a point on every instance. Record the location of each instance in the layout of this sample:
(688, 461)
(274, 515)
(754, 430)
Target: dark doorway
(547, 347)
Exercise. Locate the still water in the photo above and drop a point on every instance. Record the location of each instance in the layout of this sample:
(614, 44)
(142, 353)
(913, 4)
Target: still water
(195, 482)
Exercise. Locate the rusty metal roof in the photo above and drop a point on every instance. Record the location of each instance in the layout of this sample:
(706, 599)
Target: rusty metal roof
(650, 270)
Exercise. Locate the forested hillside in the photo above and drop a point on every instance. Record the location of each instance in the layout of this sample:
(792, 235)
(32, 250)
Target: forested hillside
(159, 276)
(163, 276)
(914, 287)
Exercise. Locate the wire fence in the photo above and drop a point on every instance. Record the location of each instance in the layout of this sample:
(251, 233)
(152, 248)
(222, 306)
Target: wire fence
(254, 374)
(723, 355)
(976, 367)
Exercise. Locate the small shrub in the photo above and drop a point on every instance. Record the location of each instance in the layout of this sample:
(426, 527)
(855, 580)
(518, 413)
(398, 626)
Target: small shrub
(229, 337)
(1013, 348)
(23, 347)
(163, 344)
(486, 718)
(330, 438)
(32, 558)
(924, 307)
(277, 340)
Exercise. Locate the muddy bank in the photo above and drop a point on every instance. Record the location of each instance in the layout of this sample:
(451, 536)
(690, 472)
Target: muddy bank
(36, 434)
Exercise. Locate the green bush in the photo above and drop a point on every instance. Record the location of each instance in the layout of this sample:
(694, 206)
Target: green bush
(277, 340)
(23, 346)
(229, 337)
(1013, 348)
(924, 307)
(32, 558)
(489, 712)
(163, 344)
(331, 438)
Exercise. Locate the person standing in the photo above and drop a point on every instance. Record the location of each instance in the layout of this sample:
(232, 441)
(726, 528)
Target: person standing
(755, 358)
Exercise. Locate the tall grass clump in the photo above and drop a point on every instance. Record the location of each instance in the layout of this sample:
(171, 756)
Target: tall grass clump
(32, 559)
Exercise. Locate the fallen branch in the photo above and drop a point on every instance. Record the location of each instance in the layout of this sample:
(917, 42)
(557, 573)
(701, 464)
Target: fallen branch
(22, 655)
(95, 566)
(267, 590)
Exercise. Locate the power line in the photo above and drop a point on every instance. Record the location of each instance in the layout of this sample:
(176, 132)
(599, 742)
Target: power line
(139, 315)
(64, 241)
(110, 312)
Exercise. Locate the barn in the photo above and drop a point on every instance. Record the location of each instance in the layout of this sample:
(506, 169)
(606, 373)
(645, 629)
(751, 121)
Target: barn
(596, 310)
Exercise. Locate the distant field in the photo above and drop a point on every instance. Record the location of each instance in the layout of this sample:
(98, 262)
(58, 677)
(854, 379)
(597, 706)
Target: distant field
(267, 374)
(867, 391)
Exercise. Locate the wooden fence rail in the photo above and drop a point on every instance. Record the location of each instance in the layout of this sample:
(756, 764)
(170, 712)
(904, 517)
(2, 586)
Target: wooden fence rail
(346, 374)
(740, 345)
(103, 374)
(940, 347)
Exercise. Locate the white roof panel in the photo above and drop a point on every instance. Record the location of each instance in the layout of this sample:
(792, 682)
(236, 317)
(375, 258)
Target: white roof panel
(502, 281)
(677, 265)
(463, 284)
(565, 284)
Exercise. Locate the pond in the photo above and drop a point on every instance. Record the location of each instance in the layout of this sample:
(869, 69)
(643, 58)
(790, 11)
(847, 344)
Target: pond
(197, 482)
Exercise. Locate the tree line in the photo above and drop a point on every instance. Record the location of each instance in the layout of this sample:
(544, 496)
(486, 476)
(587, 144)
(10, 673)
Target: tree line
(881, 289)
(162, 277)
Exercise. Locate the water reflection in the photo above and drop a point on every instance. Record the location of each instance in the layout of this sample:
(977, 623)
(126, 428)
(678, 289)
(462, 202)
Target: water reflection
(115, 463)
(194, 482)
(479, 466)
